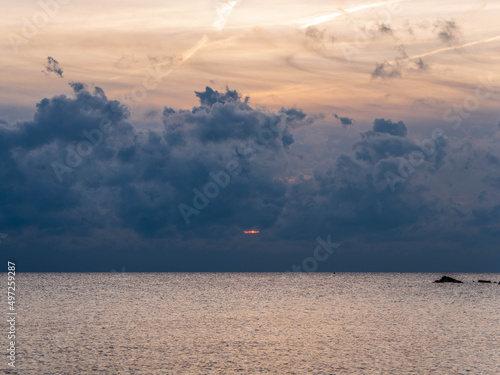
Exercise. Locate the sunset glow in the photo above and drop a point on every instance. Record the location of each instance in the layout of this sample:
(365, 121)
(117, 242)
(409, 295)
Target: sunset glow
(161, 124)
(363, 136)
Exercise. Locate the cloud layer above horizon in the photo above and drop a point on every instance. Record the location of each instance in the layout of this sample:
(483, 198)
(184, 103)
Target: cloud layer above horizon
(80, 176)
(163, 131)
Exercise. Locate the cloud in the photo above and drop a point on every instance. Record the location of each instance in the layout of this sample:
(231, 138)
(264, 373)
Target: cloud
(125, 195)
(409, 28)
(421, 65)
(352, 194)
(385, 29)
(386, 70)
(314, 33)
(389, 127)
(428, 103)
(394, 69)
(209, 97)
(52, 66)
(447, 31)
(444, 49)
(142, 176)
(345, 121)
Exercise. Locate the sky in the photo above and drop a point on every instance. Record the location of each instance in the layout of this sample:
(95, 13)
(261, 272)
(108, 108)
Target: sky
(339, 135)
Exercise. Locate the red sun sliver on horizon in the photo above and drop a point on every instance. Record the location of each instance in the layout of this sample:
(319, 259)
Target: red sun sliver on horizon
(251, 231)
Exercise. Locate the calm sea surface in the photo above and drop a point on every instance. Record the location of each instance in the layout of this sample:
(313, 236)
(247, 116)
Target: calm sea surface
(233, 323)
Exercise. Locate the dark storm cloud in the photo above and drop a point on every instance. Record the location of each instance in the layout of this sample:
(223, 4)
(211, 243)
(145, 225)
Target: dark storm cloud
(351, 193)
(389, 127)
(139, 178)
(52, 66)
(447, 31)
(31, 195)
(124, 195)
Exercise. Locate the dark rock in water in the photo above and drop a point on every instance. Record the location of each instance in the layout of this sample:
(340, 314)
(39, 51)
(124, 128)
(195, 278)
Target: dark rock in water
(447, 279)
(484, 281)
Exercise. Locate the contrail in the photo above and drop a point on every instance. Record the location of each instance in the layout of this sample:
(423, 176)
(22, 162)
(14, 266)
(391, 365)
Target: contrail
(312, 21)
(470, 44)
(182, 58)
(189, 53)
(223, 12)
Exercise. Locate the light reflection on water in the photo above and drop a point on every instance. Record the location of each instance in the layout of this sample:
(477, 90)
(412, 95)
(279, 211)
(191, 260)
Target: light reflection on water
(167, 323)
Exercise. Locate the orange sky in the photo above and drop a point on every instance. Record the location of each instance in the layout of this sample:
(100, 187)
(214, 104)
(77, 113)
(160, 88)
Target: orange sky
(260, 48)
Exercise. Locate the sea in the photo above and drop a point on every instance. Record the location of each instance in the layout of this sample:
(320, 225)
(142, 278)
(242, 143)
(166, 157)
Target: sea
(253, 323)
